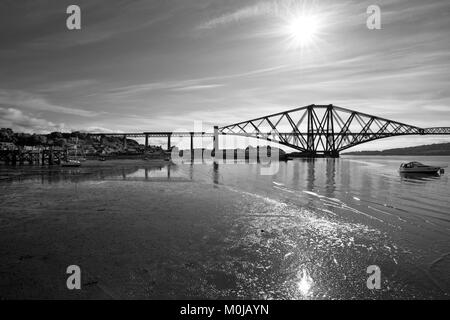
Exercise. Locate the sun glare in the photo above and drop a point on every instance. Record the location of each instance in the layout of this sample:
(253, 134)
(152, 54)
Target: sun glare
(301, 24)
(302, 30)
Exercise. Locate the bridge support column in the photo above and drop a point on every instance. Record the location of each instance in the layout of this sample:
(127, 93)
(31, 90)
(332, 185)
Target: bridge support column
(146, 141)
(14, 158)
(168, 142)
(124, 142)
(216, 141)
(50, 157)
(310, 134)
(331, 154)
(192, 145)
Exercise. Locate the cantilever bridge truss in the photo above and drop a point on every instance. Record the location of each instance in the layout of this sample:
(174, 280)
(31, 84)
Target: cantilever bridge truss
(324, 129)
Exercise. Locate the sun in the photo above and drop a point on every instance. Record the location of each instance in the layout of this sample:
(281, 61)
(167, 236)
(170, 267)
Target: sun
(302, 24)
(302, 30)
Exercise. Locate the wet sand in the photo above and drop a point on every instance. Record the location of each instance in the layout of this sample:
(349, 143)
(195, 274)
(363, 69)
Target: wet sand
(131, 240)
(160, 234)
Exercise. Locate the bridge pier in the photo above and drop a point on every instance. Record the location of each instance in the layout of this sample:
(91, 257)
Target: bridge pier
(14, 158)
(168, 141)
(331, 154)
(315, 155)
(216, 140)
(50, 156)
(146, 141)
(124, 142)
(192, 145)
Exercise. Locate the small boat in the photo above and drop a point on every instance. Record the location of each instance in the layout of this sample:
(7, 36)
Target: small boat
(71, 163)
(417, 167)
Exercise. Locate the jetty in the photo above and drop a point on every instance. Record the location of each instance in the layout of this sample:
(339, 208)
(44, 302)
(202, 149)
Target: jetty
(34, 155)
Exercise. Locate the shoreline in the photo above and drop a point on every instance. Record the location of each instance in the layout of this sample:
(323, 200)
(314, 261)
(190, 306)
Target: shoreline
(11, 172)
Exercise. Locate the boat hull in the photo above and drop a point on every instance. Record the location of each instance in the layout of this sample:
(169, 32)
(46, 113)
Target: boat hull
(420, 170)
(71, 164)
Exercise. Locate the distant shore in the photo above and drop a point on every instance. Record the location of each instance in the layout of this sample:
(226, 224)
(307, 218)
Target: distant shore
(440, 149)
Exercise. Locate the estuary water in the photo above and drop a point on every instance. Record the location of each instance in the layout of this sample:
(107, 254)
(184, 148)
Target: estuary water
(155, 230)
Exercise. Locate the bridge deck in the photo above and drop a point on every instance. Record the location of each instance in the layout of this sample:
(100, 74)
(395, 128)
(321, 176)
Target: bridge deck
(153, 134)
(427, 131)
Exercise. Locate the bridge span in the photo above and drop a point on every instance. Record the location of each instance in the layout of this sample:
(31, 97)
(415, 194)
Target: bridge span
(154, 134)
(325, 130)
(314, 130)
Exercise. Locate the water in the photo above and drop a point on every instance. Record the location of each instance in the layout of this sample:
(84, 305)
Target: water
(154, 230)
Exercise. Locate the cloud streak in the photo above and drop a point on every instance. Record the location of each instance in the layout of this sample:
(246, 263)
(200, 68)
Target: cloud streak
(192, 84)
(21, 99)
(21, 122)
(334, 13)
(244, 13)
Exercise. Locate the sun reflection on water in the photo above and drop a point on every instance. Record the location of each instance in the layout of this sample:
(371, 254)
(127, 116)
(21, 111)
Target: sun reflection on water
(305, 283)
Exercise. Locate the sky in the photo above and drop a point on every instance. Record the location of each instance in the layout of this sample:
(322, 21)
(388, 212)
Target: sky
(161, 65)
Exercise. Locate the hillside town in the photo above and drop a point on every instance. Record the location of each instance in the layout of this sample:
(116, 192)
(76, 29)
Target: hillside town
(82, 142)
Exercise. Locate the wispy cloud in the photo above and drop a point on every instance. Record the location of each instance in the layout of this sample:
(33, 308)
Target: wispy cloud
(99, 129)
(21, 122)
(198, 87)
(70, 85)
(334, 12)
(21, 99)
(192, 84)
(248, 12)
(165, 85)
(100, 22)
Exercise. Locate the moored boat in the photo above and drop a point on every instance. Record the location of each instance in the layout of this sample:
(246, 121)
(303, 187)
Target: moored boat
(74, 162)
(417, 167)
(71, 163)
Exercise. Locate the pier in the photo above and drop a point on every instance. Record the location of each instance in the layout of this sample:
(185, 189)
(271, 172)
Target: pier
(34, 156)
